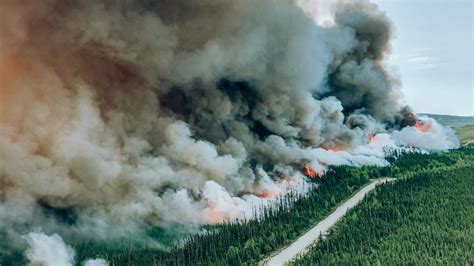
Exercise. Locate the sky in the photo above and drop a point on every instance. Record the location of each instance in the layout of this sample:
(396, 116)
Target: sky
(433, 53)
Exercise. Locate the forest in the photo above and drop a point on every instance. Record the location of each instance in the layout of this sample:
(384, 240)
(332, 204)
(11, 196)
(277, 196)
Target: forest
(392, 207)
(425, 219)
(235, 243)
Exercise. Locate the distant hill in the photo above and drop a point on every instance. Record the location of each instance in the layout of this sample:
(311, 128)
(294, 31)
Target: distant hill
(463, 125)
(451, 120)
(465, 134)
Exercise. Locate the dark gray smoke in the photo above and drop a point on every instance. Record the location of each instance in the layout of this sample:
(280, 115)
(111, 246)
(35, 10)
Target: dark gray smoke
(118, 115)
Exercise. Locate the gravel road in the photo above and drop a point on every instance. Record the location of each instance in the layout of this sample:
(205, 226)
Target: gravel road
(302, 244)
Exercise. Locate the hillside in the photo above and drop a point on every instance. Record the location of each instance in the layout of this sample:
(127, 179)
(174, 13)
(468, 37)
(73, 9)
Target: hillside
(451, 120)
(462, 125)
(465, 133)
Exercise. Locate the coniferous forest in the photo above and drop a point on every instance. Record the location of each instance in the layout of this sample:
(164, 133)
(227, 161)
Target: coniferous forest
(427, 219)
(235, 243)
(424, 217)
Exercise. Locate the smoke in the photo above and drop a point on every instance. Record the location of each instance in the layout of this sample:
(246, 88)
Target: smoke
(48, 250)
(427, 134)
(120, 115)
(96, 262)
(52, 251)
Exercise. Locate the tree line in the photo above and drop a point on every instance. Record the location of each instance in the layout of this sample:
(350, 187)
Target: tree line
(425, 219)
(247, 242)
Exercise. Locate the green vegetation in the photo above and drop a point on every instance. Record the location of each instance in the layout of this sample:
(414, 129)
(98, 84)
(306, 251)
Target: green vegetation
(235, 243)
(452, 120)
(425, 219)
(465, 134)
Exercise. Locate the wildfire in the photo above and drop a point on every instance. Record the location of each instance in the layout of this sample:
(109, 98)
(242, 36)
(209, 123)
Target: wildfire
(334, 149)
(420, 126)
(267, 195)
(215, 216)
(371, 138)
(308, 171)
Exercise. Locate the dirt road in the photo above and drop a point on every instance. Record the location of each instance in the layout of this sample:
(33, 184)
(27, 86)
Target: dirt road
(301, 244)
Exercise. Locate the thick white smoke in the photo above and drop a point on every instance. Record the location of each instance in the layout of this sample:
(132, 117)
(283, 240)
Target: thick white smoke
(48, 250)
(427, 134)
(96, 262)
(120, 115)
(51, 250)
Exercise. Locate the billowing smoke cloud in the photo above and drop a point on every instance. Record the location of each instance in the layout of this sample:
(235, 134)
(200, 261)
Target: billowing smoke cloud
(48, 250)
(118, 115)
(52, 251)
(427, 134)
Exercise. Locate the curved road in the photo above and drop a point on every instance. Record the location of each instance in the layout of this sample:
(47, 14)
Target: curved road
(301, 245)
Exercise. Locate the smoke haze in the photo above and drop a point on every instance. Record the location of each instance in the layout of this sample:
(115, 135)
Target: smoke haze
(52, 251)
(120, 115)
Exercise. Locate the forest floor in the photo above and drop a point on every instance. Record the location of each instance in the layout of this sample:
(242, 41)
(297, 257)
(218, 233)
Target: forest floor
(302, 244)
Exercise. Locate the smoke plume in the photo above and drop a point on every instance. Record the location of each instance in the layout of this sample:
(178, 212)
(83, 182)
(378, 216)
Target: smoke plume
(52, 251)
(117, 115)
(48, 250)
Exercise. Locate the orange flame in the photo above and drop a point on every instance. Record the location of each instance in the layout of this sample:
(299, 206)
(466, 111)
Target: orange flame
(213, 217)
(309, 172)
(334, 149)
(265, 195)
(371, 138)
(419, 126)
(216, 216)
